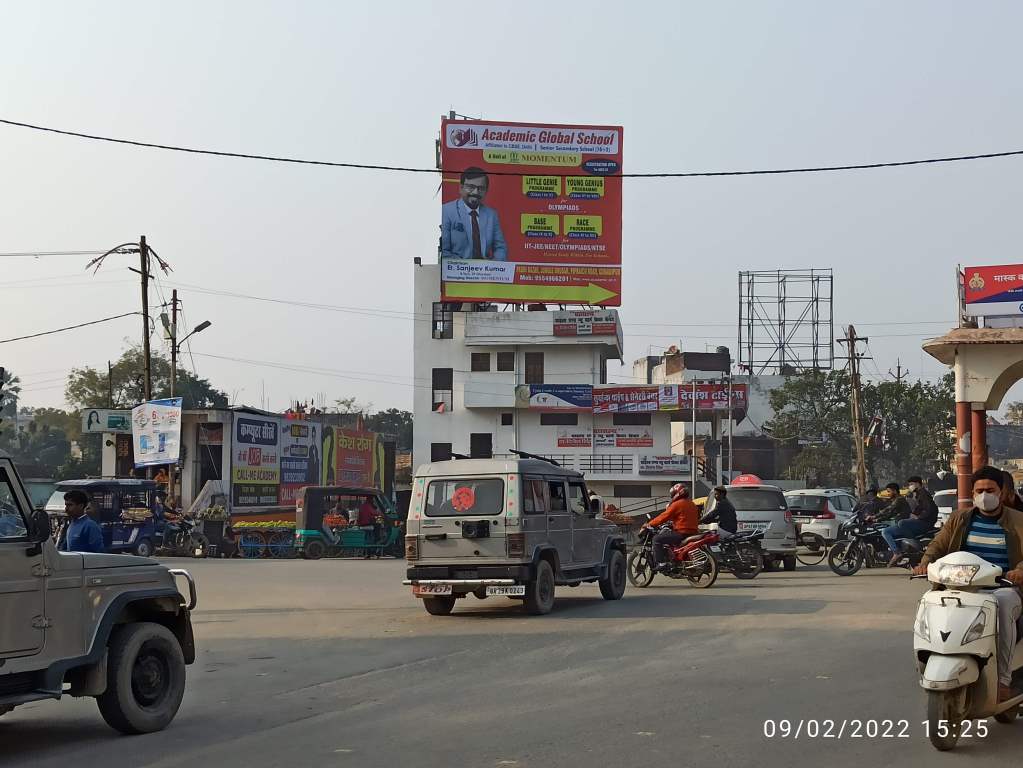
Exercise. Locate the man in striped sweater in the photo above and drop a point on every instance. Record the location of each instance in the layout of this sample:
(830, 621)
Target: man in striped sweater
(993, 532)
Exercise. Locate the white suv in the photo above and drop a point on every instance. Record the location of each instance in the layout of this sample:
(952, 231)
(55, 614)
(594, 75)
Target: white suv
(820, 510)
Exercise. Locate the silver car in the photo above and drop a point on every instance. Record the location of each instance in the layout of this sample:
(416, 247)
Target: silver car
(763, 508)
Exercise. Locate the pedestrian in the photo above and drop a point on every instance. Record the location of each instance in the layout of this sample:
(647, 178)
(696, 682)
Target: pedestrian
(82, 533)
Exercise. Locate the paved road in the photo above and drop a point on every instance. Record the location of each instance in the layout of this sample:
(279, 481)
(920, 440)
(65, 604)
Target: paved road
(334, 663)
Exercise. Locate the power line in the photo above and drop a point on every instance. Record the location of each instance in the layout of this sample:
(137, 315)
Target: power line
(68, 328)
(410, 169)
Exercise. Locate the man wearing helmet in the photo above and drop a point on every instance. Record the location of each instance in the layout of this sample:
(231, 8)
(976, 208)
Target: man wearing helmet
(684, 518)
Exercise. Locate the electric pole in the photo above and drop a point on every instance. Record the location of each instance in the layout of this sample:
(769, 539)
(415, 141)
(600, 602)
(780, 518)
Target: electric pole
(147, 361)
(174, 339)
(899, 373)
(851, 339)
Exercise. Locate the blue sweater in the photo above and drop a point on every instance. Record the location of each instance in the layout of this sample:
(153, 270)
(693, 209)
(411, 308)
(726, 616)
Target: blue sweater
(84, 535)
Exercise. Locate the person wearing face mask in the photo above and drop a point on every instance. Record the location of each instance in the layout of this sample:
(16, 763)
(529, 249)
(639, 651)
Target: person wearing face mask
(923, 518)
(993, 532)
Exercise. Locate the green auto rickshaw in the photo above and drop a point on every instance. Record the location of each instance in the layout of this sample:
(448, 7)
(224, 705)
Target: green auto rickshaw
(341, 520)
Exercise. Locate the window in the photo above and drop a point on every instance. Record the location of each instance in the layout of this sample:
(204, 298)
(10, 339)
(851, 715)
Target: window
(534, 368)
(443, 388)
(481, 445)
(451, 498)
(440, 451)
(578, 501)
(480, 361)
(506, 361)
(443, 321)
(603, 369)
(559, 419)
(507, 419)
(12, 524)
(556, 489)
(534, 498)
(632, 491)
(630, 419)
(757, 500)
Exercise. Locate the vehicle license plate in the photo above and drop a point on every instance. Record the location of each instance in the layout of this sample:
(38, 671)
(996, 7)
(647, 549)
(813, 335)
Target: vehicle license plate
(754, 526)
(802, 519)
(515, 589)
(421, 590)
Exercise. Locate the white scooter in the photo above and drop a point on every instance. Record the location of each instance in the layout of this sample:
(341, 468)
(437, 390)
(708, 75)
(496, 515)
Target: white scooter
(954, 643)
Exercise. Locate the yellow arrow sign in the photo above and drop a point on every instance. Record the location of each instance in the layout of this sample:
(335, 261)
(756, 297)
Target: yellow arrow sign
(558, 294)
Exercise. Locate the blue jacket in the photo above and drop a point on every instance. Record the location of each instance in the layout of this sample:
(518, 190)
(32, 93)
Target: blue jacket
(456, 232)
(83, 535)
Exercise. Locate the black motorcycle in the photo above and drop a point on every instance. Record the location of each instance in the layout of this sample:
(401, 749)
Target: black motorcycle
(741, 555)
(860, 544)
(184, 540)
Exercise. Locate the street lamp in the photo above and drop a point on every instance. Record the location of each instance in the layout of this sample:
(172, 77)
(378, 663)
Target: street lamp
(176, 347)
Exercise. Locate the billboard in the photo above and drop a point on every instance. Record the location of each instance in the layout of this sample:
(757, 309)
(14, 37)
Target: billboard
(300, 459)
(993, 291)
(623, 437)
(531, 212)
(625, 399)
(156, 432)
(587, 322)
(98, 420)
(710, 396)
(554, 397)
(255, 462)
(665, 465)
(352, 457)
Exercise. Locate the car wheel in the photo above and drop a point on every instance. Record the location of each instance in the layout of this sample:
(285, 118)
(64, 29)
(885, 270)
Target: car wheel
(540, 591)
(145, 678)
(789, 562)
(144, 548)
(439, 606)
(768, 564)
(313, 550)
(613, 587)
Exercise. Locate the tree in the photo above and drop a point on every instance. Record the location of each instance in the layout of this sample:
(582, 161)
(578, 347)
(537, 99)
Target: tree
(394, 422)
(10, 388)
(90, 388)
(1014, 413)
(350, 405)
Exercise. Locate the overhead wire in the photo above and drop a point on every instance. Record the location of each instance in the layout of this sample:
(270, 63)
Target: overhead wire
(68, 328)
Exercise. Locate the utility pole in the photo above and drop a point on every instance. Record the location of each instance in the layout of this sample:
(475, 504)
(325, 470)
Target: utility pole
(147, 359)
(899, 373)
(851, 339)
(110, 385)
(174, 339)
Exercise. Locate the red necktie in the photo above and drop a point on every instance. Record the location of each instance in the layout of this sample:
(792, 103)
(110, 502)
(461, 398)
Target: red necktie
(477, 242)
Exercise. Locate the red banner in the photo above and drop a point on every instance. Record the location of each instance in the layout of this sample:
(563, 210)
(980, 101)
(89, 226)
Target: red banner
(531, 212)
(993, 291)
(624, 399)
(710, 396)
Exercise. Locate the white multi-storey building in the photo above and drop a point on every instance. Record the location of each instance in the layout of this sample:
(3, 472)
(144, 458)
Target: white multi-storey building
(473, 372)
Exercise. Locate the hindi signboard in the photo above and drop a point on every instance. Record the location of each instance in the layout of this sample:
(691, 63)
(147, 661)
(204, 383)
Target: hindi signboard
(554, 397)
(664, 465)
(255, 462)
(993, 291)
(156, 432)
(586, 322)
(531, 212)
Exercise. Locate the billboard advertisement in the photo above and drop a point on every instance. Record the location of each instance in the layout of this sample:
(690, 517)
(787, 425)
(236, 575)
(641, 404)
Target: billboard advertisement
(664, 465)
(625, 399)
(993, 291)
(710, 396)
(156, 431)
(531, 212)
(591, 322)
(554, 397)
(255, 462)
(99, 420)
(300, 459)
(352, 457)
(623, 437)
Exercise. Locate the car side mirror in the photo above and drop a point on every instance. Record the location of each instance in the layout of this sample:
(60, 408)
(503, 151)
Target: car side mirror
(39, 526)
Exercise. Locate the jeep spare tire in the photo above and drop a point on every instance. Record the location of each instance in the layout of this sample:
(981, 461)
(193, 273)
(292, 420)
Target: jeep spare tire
(145, 678)
(540, 591)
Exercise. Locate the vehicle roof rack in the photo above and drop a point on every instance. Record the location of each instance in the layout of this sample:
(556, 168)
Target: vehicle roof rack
(527, 455)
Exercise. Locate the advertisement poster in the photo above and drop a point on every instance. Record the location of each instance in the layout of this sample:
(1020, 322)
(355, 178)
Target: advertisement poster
(623, 437)
(625, 399)
(531, 212)
(574, 437)
(593, 322)
(255, 462)
(554, 397)
(352, 457)
(99, 420)
(993, 291)
(156, 432)
(300, 459)
(710, 396)
(664, 465)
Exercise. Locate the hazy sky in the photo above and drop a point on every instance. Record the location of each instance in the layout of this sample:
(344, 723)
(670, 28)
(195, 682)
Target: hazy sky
(697, 86)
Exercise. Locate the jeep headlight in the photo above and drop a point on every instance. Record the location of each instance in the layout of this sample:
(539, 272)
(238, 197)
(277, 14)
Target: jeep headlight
(921, 628)
(953, 575)
(976, 628)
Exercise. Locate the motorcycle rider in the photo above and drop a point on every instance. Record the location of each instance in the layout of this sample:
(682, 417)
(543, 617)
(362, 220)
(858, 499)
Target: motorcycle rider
(868, 506)
(683, 515)
(723, 514)
(920, 521)
(897, 509)
(994, 532)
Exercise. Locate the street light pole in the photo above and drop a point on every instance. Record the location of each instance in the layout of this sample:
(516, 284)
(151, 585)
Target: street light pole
(174, 340)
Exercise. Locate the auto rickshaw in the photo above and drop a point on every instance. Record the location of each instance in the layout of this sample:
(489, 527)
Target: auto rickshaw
(126, 510)
(327, 523)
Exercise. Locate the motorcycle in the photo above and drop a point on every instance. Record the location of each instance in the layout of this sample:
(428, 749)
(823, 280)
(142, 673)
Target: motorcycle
(954, 641)
(860, 544)
(185, 541)
(741, 555)
(692, 560)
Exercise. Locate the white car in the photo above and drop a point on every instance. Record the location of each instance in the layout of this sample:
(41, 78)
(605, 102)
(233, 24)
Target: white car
(946, 501)
(820, 510)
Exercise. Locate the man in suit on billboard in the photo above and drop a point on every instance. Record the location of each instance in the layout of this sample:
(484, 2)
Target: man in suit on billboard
(469, 229)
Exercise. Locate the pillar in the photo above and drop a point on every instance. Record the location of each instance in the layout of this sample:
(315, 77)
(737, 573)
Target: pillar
(978, 438)
(964, 466)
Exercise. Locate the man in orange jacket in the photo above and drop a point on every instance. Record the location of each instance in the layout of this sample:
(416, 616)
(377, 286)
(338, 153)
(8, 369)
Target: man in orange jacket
(684, 517)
